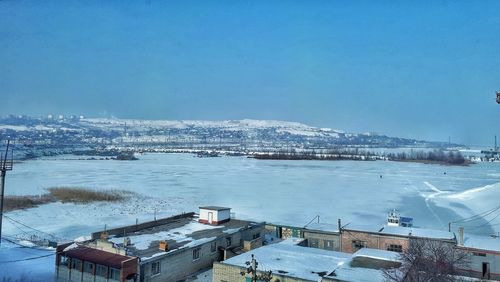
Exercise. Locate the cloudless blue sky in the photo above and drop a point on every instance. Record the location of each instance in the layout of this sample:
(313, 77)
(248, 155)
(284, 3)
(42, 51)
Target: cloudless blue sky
(419, 69)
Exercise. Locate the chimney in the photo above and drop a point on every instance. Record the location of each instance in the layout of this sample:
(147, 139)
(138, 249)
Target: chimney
(461, 236)
(104, 235)
(163, 245)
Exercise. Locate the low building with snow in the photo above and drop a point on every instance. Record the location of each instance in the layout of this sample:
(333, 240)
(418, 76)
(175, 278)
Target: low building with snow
(483, 254)
(390, 238)
(291, 261)
(168, 249)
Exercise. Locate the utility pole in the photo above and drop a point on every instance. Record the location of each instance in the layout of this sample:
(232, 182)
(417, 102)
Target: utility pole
(252, 269)
(5, 165)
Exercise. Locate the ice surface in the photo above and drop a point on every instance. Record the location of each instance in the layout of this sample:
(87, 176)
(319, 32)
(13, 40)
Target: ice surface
(288, 192)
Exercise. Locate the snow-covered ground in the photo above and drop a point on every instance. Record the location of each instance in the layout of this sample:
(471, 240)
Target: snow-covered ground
(289, 192)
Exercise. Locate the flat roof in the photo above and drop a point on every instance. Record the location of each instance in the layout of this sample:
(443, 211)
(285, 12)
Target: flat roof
(377, 254)
(403, 231)
(95, 255)
(486, 243)
(323, 227)
(182, 233)
(289, 259)
(214, 208)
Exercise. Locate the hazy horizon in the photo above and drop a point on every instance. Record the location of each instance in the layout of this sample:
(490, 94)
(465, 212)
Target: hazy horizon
(421, 70)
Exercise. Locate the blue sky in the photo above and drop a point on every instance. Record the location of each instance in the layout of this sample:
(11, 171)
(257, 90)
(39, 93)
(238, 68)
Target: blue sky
(419, 69)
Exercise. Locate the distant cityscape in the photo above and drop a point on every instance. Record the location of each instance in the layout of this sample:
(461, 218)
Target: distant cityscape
(56, 134)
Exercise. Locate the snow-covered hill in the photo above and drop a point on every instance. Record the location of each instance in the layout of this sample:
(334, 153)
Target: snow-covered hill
(235, 135)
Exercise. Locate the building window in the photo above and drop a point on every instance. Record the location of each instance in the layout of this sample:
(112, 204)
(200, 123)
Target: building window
(313, 243)
(155, 268)
(228, 241)
(358, 244)
(88, 267)
(114, 274)
(101, 270)
(395, 248)
(196, 253)
(63, 260)
(76, 264)
(256, 236)
(213, 246)
(329, 245)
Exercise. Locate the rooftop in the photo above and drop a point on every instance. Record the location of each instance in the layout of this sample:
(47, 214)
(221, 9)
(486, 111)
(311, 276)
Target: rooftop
(214, 208)
(324, 227)
(95, 255)
(482, 242)
(404, 231)
(287, 258)
(180, 233)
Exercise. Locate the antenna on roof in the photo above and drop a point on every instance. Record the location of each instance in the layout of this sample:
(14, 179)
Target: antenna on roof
(6, 162)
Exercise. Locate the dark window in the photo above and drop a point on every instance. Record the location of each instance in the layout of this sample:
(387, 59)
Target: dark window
(155, 268)
(63, 260)
(328, 244)
(256, 235)
(395, 248)
(228, 241)
(76, 264)
(114, 274)
(358, 244)
(486, 271)
(313, 243)
(88, 267)
(213, 246)
(101, 270)
(196, 253)
(479, 254)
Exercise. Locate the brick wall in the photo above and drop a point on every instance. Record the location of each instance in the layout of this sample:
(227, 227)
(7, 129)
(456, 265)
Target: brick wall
(373, 241)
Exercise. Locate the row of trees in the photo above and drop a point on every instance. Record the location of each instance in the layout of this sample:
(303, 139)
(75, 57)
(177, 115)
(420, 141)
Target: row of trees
(450, 157)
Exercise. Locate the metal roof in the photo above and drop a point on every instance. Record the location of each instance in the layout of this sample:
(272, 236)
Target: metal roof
(214, 208)
(96, 256)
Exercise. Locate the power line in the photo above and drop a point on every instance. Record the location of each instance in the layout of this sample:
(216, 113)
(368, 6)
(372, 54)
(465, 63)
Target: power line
(31, 258)
(32, 228)
(477, 216)
(486, 223)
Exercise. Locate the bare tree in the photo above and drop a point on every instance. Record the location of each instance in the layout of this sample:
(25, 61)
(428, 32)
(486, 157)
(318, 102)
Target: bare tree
(429, 260)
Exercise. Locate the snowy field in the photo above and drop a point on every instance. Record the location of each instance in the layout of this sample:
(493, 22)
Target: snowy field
(288, 192)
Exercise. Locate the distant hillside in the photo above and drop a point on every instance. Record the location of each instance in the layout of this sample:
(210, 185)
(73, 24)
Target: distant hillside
(230, 135)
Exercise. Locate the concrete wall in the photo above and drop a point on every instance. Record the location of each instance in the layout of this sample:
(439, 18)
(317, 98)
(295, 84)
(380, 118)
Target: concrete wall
(476, 260)
(132, 228)
(231, 273)
(180, 264)
(218, 216)
(326, 241)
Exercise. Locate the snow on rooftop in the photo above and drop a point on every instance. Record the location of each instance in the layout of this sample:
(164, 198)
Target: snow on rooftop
(231, 231)
(323, 227)
(377, 254)
(347, 273)
(289, 259)
(180, 234)
(418, 232)
(482, 242)
(404, 231)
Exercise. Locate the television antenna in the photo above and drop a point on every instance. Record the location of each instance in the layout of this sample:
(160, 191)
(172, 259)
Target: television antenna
(6, 162)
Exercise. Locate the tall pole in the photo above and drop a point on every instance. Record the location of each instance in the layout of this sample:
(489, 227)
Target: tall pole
(2, 185)
(5, 165)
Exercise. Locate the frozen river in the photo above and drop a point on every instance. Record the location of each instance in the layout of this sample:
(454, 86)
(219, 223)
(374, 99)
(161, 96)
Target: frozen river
(289, 192)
